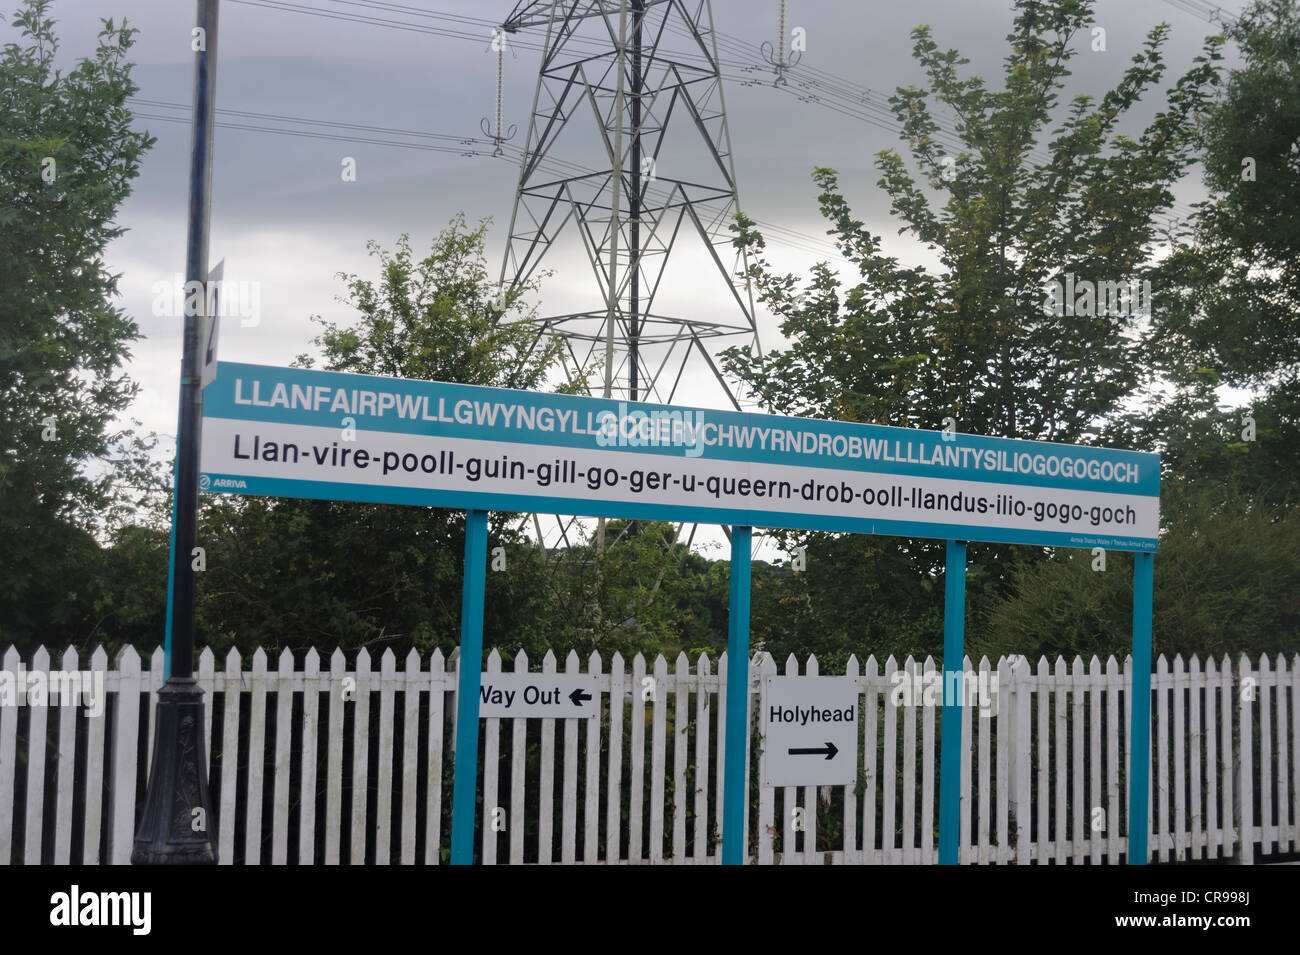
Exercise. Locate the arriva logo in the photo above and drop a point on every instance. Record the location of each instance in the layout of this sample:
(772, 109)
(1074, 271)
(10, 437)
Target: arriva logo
(230, 483)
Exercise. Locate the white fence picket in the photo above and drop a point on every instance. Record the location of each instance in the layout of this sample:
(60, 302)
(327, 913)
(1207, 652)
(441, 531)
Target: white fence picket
(1282, 832)
(153, 683)
(591, 789)
(870, 709)
(1111, 808)
(207, 679)
(439, 687)
(972, 715)
(888, 778)
(36, 746)
(703, 714)
(518, 767)
(613, 784)
(90, 854)
(1195, 740)
(1295, 752)
(1229, 836)
(1023, 759)
(1264, 687)
(1096, 836)
(384, 792)
(66, 759)
(232, 678)
(8, 764)
(491, 765)
(313, 684)
(966, 839)
(1003, 720)
(125, 757)
(546, 795)
(256, 759)
(410, 753)
(569, 815)
(334, 749)
(1179, 687)
(1246, 775)
(850, 803)
(658, 717)
(1213, 816)
(283, 731)
(720, 744)
(681, 699)
(1043, 683)
(360, 757)
(909, 807)
(810, 800)
(791, 822)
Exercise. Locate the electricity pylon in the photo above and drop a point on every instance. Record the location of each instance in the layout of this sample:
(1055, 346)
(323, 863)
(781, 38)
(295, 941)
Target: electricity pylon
(628, 153)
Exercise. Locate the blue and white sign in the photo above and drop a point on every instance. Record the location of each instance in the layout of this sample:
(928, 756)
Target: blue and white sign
(304, 433)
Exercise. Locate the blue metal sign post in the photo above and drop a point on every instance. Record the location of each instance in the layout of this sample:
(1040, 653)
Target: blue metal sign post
(1139, 764)
(469, 677)
(954, 676)
(737, 739)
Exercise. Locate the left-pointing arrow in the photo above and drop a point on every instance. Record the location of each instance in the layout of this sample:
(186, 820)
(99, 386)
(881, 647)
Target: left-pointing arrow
(828, 751)
(578, 697)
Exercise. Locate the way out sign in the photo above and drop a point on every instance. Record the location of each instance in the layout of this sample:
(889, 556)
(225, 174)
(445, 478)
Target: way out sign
(810, 730)
(539, 695)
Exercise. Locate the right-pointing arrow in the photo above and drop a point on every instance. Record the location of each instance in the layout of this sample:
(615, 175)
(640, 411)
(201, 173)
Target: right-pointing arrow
(828, 751)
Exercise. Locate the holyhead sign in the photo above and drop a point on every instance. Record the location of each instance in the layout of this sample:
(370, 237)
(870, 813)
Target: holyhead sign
(320, 434)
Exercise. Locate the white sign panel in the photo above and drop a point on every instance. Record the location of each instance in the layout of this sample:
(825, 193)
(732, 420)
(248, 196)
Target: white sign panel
(539, 695)
(297, 432)
(810, 730)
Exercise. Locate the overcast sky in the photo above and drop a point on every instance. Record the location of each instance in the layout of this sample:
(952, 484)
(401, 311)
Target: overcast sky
(283, 216)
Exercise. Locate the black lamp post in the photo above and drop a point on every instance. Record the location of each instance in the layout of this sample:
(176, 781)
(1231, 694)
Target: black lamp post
(177, 822)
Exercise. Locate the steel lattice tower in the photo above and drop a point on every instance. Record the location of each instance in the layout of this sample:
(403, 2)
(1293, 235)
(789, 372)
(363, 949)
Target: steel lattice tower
(628, 151)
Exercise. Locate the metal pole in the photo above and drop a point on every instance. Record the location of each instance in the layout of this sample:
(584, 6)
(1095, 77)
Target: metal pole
(176, 824)
(1139, 766)
(616, 183)
(954, 651)
(468, 680)
(634, 203)
(737, 740)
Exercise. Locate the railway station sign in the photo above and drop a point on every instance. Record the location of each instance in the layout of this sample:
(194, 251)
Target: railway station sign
(306, 433)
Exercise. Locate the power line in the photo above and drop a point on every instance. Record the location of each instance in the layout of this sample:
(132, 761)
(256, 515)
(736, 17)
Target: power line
(469, 146)
(820, 87)
(1210, 12)
(428, 147)
(298, 120)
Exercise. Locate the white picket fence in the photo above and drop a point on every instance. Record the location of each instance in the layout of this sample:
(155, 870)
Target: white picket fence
(1044, 779)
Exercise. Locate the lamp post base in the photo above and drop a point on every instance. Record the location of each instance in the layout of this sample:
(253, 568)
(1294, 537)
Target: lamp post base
(175, 828)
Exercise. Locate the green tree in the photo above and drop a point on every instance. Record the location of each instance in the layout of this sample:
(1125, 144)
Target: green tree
(67, 159)
(978, 338)
(1230, 312)
(298, 573)
(1225, 582)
